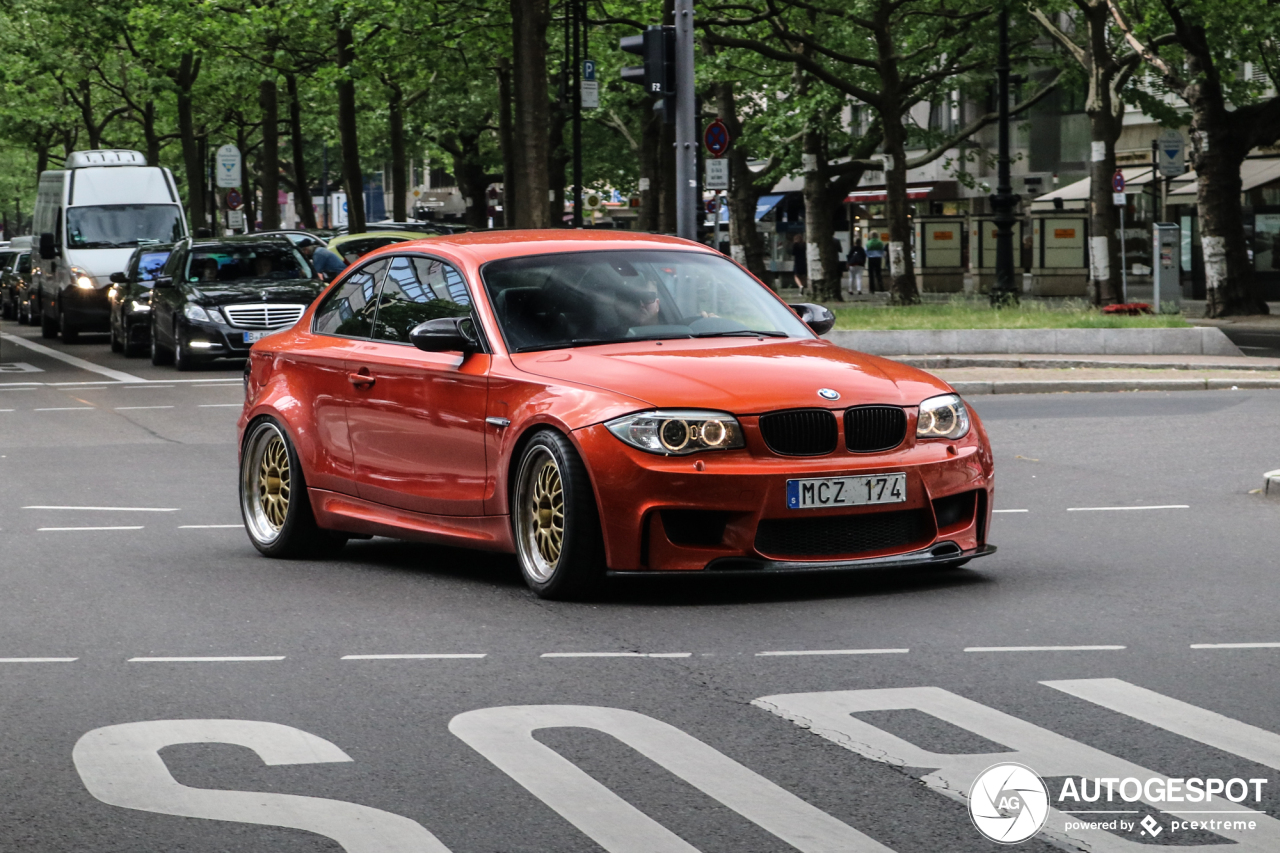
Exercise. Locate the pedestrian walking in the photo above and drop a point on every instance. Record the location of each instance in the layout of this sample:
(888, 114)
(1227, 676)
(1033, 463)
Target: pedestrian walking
(875, 262)
(326, 262)
(857, 262)
(800, 262)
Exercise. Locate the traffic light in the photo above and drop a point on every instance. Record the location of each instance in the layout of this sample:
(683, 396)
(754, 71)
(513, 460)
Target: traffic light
(658, 74)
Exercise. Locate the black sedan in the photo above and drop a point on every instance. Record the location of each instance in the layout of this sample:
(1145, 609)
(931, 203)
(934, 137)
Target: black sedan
(130, 299)
(216, 296)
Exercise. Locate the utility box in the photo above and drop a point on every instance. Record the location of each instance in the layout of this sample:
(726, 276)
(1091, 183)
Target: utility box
(1060, 256)
(940, 254)
(1166, 239)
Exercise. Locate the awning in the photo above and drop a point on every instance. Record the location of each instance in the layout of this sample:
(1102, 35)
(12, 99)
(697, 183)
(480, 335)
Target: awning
(864, 196)
(1253, 174)
(766, 203)
(1135, 177)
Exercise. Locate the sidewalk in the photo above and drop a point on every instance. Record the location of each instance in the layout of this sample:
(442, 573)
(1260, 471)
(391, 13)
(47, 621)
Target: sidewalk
(1040, 374)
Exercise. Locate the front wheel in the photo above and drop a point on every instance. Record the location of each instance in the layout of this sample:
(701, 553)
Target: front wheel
(555, 520)
(48, 325)
(183, 360)
(273, 497)
(159, 355)
(67, 331)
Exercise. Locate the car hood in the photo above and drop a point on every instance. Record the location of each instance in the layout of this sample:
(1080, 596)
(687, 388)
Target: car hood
(743, 376)
(249, 290)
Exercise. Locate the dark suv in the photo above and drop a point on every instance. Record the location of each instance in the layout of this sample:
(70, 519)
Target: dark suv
(216, 296)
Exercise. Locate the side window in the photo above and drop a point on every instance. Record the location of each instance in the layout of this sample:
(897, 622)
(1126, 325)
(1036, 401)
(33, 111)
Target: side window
(417, 289)
(175, 263)
(24, 264)
(349, 308)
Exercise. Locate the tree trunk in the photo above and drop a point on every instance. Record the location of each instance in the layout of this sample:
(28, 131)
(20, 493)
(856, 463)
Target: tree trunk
(473, 180)
(185, 78)
(902, 275)
(399, 161)
(650, 139)
(506, 142)
(268, 101)
(1228, 272)
(149, 134)
(1104, 218)
(557, 165)
(302, 184)
(347, 131)
(666, 177)
(530, 19)
(246, 180)
(745, 244)
(85, 102)
(821, 258)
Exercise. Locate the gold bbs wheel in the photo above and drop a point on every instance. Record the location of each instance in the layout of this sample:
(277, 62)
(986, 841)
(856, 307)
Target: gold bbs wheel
(540, 511)
(273, 483)
(265, 487)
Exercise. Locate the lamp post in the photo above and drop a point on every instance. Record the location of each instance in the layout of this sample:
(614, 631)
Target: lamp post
(1003, 200)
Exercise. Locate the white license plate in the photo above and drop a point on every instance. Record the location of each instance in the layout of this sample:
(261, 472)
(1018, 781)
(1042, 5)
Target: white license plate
(846, 491)
(250, 337)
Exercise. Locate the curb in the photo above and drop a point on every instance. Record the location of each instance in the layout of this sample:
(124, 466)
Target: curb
(942, 362)
(1193, 340)
(1055, 386)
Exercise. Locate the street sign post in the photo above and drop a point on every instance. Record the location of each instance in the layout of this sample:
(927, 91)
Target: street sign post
(1171, 154)
(1117, 196)
(228, 167)
(716, 138)
(590, 88)
(717, 176)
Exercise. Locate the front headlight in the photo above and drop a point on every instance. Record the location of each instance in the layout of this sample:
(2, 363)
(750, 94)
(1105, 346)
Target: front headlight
(194, 312)
(678, 432)
(136, 307)
(83, 281)
(943, 417)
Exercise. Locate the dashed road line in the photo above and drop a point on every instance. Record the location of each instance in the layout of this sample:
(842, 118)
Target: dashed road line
(440, 656)
(616, 654)
(243, 659)
(1123, 508)
(72, 529)
(65, 409)
(111, 508)
(211, 526)
(1235, 645)
(1043, 648)
(220, 405)
(1011, 510)
(38, 660)
(139, 408)
(801, 653)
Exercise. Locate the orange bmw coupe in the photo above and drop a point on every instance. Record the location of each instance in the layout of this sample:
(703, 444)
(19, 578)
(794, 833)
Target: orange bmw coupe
(599, 403)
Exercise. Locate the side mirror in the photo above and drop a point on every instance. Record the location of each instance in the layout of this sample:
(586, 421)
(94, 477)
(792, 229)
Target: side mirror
(48, 249)
(445, 334)
(162, 281)
(119, 278)
(816, 317)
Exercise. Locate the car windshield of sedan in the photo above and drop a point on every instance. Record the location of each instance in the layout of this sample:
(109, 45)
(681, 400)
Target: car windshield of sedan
(245, 262)
(583, 298)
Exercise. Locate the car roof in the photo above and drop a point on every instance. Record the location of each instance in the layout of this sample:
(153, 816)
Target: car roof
(483, 246)
(378, 235)
(240, 239)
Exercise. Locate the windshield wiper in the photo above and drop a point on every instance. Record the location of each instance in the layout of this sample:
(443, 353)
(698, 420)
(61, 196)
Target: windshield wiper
(746, 333)
(588, 342)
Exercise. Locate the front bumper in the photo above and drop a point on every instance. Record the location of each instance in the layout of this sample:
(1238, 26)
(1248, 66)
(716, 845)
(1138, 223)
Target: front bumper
(727, 511)
(86, 310)
(942, 554)
(212, 339)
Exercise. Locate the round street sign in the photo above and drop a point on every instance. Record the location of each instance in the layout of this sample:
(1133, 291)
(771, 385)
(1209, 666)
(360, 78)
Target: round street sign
(713, 204)
(1117, 181)
(716, 138)
(592, 201)
(234, 201)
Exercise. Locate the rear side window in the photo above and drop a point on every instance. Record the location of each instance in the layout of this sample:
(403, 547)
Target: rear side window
(349, 308)
(149, 266)
(415, 290)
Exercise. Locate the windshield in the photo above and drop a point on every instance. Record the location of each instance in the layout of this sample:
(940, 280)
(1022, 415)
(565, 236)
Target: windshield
(122, 226)
(580, 298)
(261, 261)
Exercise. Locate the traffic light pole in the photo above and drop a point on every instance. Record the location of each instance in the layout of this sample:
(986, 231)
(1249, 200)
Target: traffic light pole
(686, 125)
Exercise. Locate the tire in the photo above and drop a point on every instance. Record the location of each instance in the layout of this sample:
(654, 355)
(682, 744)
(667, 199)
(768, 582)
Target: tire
(183, 360)
(67, 332)
(116, 344)
(48, 326)
(274, 502)
(24, 313)
(131, 348)
(563, 560)
(9, 311)
(159, 355)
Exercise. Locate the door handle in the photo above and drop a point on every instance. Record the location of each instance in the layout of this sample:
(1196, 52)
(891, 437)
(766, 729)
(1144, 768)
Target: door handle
(361, 379)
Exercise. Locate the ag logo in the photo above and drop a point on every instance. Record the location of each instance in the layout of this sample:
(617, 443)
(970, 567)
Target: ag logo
(1008, 803)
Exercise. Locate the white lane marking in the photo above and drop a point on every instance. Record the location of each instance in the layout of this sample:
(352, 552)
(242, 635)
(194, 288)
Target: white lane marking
(121, 766)
(72, 529)
(249, 659)
(834, 652)
(149, 385)
(1235, 645)
(221, 405)
(442, 656)
(138, 408)
(38, 660)
(1043, 648)
(21, 386)
(831, 715)
(1011, 510)
(117, 375)
(210, 526)
(617, 654)
(1249, 742)
(6, 410)
(1123, 508)
(66, 409)
(505, 736)
(111, 508)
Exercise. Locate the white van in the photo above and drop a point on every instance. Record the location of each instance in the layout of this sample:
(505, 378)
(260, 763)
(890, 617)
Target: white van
(89, 218)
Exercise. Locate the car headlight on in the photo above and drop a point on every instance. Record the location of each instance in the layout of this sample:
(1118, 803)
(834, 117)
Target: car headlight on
(194, 312)
(943, 417)
(136, 307)
(678, 432)
(83, 281)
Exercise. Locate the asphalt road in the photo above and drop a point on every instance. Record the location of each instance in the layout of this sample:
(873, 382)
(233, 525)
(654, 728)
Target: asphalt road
(400, 754)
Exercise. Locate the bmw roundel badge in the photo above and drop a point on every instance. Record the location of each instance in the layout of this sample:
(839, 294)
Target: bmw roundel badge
(828, 394)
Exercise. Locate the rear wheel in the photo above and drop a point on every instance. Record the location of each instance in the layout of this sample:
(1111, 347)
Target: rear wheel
(159, 355)
(48, 325)
(116, 344)
(24, 313)
(9, 311)
(273, 497)
(555, 520)
(67, 331)
(132, 349)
